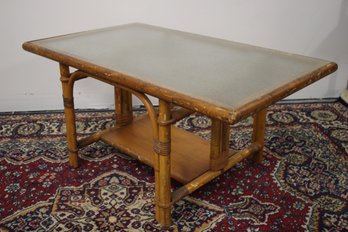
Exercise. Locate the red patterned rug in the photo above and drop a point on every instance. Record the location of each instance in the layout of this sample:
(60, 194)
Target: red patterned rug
(302, 185)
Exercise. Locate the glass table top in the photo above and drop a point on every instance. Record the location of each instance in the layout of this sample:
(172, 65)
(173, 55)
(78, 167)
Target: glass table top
(217, 71)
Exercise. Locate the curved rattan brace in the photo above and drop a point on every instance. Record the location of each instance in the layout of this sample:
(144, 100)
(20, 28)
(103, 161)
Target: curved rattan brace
(149, 107)
(75, 76)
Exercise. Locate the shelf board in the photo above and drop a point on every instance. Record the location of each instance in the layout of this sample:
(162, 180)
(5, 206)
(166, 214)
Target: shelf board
(189, 153)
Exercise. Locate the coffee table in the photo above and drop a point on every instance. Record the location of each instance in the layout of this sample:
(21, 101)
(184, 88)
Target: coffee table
(227, 81)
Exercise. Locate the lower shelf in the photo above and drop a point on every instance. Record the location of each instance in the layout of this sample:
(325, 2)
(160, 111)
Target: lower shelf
(189, 153)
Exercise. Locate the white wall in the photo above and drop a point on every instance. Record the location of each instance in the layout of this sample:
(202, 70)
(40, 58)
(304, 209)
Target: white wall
(29, 82)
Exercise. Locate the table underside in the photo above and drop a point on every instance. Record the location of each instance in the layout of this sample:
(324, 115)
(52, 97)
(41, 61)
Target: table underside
(153, 139)
(189, 152)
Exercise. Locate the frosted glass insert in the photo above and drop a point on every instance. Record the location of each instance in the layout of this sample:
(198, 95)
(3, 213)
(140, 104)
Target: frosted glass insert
(218, 71)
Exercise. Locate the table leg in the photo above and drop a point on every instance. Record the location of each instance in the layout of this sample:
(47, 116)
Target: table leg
(69, 115)
(123, 107)
(219, 144)
(162, 146)
(259, 126)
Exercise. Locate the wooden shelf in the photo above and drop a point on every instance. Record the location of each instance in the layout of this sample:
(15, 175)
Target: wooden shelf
(189, 153)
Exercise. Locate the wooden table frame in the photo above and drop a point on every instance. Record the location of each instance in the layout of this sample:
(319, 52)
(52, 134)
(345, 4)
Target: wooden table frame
(167, 150)
(221, 157)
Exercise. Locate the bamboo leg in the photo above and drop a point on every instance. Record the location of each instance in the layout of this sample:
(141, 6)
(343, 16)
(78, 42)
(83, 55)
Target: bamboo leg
(162, 166)
(123, 107)
(69, 116)
(219, 144)
(225, 142)
(259, 126)
(157, 187)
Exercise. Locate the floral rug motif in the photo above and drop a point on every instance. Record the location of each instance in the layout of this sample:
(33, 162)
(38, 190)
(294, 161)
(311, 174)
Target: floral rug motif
(113, 201)
(302, 184)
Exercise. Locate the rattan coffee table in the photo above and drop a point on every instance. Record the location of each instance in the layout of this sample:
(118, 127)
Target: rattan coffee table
(188, 73)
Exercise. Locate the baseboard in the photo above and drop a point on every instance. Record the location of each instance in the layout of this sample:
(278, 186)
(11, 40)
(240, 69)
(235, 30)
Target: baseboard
(344, 96)
(141, 107)
(308, 100)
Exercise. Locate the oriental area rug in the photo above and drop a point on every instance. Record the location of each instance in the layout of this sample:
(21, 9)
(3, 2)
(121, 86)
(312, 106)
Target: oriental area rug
(302, 184)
